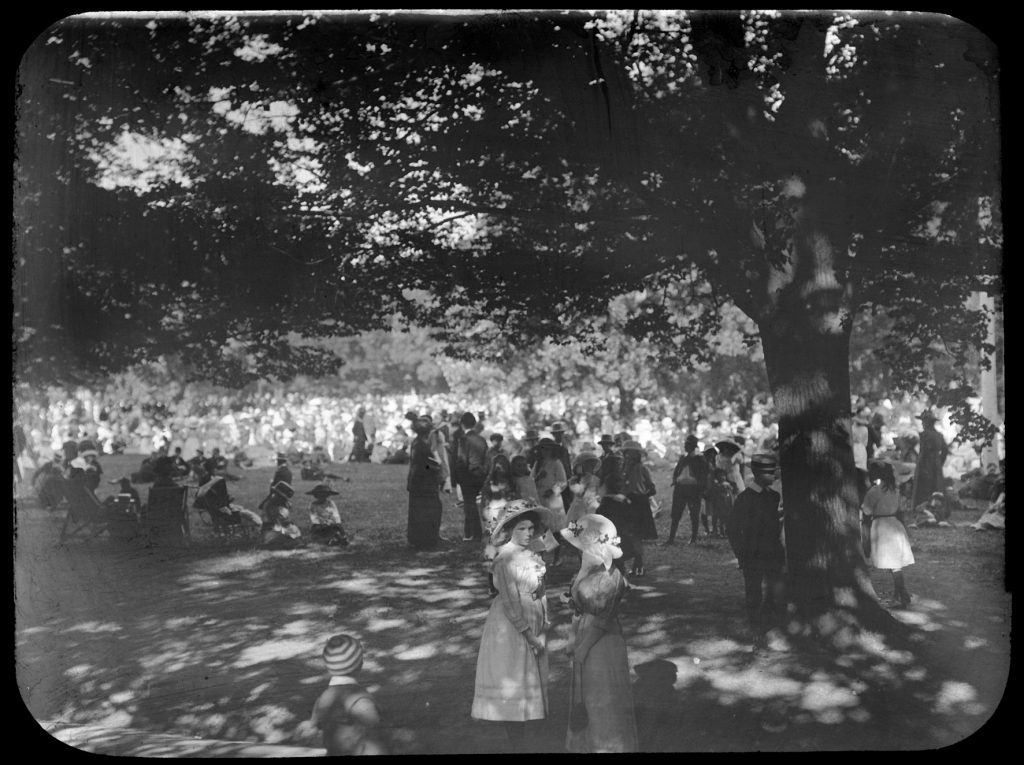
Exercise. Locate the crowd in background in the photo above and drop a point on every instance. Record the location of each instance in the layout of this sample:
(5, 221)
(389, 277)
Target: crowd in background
(262, 423)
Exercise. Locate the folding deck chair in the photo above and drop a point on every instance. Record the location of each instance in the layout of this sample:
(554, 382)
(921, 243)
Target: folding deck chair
(86, 517)
(165, 516)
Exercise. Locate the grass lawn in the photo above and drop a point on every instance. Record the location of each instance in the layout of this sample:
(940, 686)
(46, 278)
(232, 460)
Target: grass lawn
(220, 641)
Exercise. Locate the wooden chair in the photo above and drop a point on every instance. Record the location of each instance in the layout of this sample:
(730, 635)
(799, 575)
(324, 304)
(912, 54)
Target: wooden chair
(165, 516)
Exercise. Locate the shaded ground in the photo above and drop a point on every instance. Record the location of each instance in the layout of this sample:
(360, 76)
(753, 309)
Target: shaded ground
(223, 643)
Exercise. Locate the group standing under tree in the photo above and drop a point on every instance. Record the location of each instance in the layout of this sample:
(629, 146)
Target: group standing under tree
(511, 684)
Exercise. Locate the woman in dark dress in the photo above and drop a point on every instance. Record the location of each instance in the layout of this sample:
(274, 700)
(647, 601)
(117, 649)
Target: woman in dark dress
(614, 506)
(424, 484)
(639, 489)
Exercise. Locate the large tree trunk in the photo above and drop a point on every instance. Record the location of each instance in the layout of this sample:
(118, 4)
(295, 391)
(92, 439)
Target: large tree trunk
(806, 340)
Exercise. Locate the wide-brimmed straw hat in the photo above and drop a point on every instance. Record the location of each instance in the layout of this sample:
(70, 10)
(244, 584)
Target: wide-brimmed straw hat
(322, 490)
(727, 443)
(584, 457)
(596, 535)
(514, 509)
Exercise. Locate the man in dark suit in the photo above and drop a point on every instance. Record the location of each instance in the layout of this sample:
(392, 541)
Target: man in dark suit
(470, 472)
(561, 450)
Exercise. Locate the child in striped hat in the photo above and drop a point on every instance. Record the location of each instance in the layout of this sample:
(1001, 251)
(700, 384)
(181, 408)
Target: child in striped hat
(346, 712)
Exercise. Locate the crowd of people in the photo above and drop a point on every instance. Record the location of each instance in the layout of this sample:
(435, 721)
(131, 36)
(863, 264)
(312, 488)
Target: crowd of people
(261, 421)
(531, 497)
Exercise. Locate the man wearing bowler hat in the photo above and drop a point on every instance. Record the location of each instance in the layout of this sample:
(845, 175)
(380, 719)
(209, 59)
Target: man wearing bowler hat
(755, 534)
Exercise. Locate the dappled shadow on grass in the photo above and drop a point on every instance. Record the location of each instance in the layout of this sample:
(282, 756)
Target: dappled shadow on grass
(224, 643)
(931, 686)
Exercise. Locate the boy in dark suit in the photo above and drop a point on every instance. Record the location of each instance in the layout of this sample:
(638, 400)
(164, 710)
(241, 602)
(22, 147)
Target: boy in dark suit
(755, 533)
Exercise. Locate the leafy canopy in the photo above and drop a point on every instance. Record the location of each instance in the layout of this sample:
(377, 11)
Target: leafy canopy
(221, 182)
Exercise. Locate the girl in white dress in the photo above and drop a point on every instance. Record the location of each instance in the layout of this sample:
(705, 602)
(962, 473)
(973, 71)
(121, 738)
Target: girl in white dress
(511, 683)
(890, 545)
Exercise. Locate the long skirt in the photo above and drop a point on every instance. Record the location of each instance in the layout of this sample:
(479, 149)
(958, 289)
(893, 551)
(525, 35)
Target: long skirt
(890, 545)
(511, 682)
(643, 521)
(621, 514)
(603, 681)
(424, 518)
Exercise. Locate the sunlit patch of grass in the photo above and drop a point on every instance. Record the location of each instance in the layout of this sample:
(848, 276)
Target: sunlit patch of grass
(955, 696)
(277, 649)
(96, 627)
(713, 648)
(752, 683)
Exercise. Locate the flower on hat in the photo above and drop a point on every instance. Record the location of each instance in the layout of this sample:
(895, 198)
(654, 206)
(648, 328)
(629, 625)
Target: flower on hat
(596, 535)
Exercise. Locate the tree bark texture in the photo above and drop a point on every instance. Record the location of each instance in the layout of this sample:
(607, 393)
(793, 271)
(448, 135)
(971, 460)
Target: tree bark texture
(805, 331)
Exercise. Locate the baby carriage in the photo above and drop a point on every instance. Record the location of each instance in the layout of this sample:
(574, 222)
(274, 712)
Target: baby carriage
(224, 518)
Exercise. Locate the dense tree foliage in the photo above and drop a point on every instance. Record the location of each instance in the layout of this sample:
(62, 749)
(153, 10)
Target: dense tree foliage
(247, 178)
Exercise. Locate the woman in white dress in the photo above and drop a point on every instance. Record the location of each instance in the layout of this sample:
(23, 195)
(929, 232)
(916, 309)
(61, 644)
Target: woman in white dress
(890, 545)
(511, 683)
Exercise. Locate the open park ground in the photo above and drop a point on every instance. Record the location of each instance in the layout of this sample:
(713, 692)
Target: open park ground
(145, 649)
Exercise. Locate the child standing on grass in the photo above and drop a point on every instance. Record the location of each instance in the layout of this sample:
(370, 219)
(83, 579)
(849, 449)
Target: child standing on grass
(346, 712)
